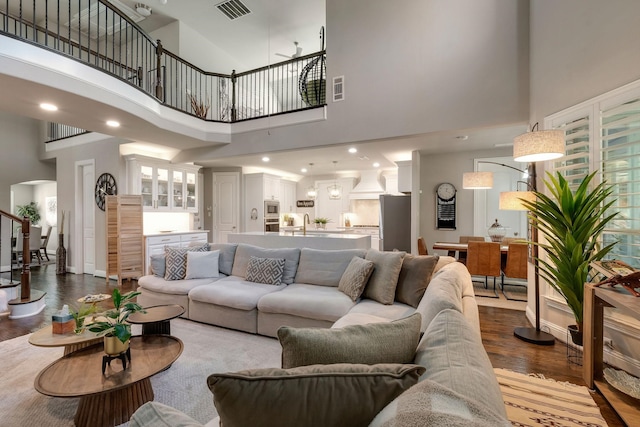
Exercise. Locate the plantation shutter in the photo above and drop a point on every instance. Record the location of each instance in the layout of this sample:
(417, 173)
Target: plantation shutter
(620, 151)
(574, 166)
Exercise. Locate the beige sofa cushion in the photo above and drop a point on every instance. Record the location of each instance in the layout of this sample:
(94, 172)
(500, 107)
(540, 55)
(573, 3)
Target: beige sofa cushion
(310, 301)
(154, 414)
(454, 357)
(176, 287)
(338, 395)
(393, 342)
(383, 280)
(431, 404)
(324, 267)
(444, 291)
(233, 292)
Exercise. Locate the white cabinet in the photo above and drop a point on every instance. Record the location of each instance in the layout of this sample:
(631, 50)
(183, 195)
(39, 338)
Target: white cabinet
(154, 245)
(163, 186)
(271, 186)
(287, 196)
(404, 176)
(333, 208)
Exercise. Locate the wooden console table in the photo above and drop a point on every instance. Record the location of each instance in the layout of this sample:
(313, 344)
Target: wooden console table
(595, 300)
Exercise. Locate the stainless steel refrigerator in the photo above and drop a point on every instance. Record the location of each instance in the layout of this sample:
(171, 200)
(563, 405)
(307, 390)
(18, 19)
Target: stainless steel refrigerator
(395, 222)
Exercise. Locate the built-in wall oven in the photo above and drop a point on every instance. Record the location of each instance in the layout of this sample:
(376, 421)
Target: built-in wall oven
(272, 215)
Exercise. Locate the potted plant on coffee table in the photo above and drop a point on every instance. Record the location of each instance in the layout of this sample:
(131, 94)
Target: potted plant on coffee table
(113, 325)
(571, 223)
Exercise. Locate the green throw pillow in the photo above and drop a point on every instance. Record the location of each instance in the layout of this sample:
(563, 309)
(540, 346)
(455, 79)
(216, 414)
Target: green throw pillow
(392, 342)
(310, 396)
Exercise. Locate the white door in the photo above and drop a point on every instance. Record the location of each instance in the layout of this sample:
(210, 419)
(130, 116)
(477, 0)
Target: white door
(84, 215)
(226, 205)
(88, 222)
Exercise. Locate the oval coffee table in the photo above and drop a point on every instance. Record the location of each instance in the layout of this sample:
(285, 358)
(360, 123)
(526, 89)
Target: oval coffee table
(46, 338)
(156, 319)
(110, 399)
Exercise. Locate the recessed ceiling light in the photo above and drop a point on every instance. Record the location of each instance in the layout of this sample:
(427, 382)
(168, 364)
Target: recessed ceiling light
(265, 159)
(303, 170)
(48, 107)
(353, 150)
(462, 137)
(376, 165)
(113, 123)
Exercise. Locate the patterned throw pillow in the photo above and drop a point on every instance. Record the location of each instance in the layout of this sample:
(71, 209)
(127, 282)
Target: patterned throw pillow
(355, 277)
(176, 261)
(265, 270)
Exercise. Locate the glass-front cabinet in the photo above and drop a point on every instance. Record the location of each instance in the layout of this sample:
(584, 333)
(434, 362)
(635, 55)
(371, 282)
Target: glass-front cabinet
(163, 186)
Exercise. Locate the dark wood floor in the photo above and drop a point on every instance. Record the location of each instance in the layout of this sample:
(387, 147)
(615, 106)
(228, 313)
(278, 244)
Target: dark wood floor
(497, 324)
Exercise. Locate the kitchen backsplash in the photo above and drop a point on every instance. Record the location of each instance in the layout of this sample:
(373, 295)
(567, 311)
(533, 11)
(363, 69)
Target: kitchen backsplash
(365, 212)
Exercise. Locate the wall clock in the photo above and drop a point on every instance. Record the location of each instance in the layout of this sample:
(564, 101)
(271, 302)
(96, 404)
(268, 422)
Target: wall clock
(446, 206)
(105, 186)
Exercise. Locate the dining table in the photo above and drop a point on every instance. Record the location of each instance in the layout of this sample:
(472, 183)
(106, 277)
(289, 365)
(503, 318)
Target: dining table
(453, 247)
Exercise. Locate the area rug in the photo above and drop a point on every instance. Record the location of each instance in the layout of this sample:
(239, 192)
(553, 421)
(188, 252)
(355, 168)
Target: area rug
(480, 291)
(207, 350)
(537, 401)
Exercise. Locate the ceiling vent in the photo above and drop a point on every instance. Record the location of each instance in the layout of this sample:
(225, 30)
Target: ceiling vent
(233, 9)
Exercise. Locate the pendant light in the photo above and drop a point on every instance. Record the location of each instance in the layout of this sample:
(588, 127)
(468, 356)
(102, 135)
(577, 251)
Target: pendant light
(335, 190)
(312, 190)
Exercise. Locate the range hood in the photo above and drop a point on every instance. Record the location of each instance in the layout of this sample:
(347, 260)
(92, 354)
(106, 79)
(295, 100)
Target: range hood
(369, 186)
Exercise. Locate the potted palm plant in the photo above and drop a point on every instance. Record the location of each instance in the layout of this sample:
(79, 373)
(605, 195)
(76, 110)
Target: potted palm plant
(113, 323)
(571, 223)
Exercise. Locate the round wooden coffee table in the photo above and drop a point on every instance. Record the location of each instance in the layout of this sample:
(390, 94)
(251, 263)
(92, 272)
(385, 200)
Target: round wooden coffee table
(46, 338)
(156, 320)
(109, 399)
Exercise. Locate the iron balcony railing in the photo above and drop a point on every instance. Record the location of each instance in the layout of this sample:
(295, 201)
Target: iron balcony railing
(102, 36)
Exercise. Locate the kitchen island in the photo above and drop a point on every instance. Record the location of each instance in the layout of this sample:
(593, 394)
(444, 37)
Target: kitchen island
(313, 240)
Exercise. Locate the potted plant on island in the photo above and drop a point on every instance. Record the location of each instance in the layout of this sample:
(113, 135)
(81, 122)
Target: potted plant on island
(321, 222)
(571, 223)
(113, 323)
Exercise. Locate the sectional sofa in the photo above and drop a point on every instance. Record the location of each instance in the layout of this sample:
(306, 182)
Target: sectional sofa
(455, 375)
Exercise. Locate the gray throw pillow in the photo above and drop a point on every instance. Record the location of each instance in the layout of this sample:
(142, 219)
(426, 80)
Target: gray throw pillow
(355, 277)
(414, 278)
(265, 270)
(339, 395)
(392, 342)
(158, 265)
(202, 265)
(176, 260)
(383, 280)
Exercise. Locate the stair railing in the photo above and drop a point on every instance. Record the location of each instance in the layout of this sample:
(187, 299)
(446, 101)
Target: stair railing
(25, 274)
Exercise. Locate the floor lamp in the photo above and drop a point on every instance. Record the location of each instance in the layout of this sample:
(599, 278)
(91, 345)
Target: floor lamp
(529, 147)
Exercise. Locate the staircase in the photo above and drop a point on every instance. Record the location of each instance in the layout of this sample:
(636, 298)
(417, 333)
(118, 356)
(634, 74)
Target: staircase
(15, 287)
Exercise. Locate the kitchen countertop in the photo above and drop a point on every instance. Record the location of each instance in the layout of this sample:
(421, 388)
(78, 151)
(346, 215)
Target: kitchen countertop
(319, 239)
(174, 232)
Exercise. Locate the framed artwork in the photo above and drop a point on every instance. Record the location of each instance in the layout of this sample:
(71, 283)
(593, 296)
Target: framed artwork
(51, 210)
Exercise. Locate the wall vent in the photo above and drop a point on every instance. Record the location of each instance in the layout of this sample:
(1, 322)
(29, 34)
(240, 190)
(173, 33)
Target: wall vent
(338, 88)
(233, 9)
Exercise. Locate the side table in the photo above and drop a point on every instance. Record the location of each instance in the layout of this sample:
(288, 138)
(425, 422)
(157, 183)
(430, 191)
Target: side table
(157, 319)
(595, 300)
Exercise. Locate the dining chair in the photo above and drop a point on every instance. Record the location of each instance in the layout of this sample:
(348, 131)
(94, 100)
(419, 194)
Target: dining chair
(422, 247)
(462, 256)
(35, 242)
(483, 259)
(45, 242)
(517, 265)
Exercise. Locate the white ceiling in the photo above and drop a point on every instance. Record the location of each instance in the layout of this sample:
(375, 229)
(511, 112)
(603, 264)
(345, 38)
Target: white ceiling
(253, 40)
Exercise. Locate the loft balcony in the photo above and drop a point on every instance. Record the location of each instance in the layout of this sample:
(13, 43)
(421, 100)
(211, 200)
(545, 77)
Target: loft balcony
(107, 39)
